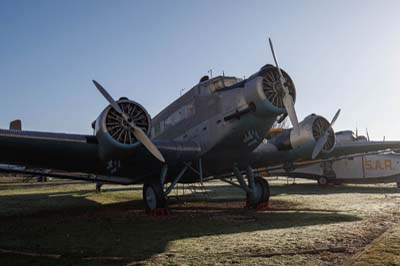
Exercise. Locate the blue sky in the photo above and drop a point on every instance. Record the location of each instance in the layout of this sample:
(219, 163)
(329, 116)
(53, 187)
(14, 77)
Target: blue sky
(340, 54)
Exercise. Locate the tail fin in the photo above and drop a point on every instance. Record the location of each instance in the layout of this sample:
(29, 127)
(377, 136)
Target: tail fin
(16, 125)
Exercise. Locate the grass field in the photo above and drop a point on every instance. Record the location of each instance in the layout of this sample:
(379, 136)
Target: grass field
(67, 223)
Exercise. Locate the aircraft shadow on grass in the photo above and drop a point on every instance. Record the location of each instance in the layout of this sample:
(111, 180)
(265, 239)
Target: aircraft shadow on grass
(314, 189)
(77, 227)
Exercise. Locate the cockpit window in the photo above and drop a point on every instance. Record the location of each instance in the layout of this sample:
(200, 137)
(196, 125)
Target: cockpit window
(219, 83)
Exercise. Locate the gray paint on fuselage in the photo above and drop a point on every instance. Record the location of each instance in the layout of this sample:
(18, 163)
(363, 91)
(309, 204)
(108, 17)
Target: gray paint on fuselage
(231, 140)
(197, 130)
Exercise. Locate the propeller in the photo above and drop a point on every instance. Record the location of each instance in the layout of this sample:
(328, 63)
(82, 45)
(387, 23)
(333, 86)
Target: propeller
(322, 140)
(367, 134)
(137, 131)
(287, 98)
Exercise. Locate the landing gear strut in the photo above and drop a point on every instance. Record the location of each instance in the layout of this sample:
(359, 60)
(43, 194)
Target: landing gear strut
(154, 196)
(257, 188)
(98, 187)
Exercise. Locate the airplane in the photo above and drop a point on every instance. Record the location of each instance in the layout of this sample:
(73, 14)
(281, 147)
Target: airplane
(212, 130)
(364, 168)
(203, 133)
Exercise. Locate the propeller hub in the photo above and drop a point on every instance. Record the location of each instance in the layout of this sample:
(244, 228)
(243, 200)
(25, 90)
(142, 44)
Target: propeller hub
(119, 126)
(277, 86)
(320, 127)
(272, 86)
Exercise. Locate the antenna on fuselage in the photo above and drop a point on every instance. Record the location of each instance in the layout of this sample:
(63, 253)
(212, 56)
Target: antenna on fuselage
(181, 91)
(367, 134)
(210, 72)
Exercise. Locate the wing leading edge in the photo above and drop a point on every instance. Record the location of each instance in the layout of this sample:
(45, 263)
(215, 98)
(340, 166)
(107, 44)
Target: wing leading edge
(80, 153)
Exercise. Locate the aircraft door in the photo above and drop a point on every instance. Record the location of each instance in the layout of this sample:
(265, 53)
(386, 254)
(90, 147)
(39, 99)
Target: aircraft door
(349, 168)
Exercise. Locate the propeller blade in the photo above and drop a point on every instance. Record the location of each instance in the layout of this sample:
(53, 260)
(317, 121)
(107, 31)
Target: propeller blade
(335, 117)
(367, 134)
(322, 140)
(144, 139)
(287, 98)
(108, 97)
(289, 106)
(319, 146)
(275, 59)
(137, 131)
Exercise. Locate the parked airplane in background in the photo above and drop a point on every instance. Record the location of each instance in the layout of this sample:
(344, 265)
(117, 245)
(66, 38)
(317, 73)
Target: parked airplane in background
(213, 129)
(379, 167)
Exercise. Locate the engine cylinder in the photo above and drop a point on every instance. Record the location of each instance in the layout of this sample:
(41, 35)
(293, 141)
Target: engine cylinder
(312, 129)
(272, 86)
(265, 90)
(115, 135)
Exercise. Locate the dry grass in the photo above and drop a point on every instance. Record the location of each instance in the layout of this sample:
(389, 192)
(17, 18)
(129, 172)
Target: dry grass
(385, 250)
(306, 224)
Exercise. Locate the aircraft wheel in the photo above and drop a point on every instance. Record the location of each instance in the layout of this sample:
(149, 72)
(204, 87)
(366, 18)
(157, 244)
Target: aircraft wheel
(153, 195)
(398, 184)
(322, 181)
(261, 194)
(98, 187)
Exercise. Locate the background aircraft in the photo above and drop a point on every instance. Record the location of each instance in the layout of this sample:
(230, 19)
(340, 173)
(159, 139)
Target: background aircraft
(378, 167)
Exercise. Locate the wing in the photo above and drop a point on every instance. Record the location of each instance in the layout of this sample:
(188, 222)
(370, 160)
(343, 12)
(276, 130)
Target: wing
(267, 155)
(351, 148)
(73, 153)
(61, 151)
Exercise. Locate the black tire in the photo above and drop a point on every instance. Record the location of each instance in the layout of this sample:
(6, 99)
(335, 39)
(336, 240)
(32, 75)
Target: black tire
(322, 181)
(263, 194)
(153, 195)
(398, 184)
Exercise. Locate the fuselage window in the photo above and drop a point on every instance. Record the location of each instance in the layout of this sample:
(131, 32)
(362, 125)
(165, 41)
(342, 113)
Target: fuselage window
(182, 113)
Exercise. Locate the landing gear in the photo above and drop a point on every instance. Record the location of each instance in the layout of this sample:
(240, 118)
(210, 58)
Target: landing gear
(398, 184)
(260, 197)
(322, 181)
(98, 187)
(257, 188)
(153, 195)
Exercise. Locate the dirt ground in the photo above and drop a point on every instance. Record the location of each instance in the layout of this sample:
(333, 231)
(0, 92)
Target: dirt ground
(67, 223)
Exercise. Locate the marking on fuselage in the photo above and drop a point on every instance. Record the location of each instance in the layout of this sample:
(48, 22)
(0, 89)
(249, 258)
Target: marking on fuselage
(113, 166)
(251, 138)
(378, 165)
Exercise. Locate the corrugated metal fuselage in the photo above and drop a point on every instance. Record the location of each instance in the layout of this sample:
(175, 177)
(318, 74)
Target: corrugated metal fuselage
(219, 125)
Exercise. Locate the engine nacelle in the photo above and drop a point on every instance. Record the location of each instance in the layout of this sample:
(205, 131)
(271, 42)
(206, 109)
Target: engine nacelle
(264, 89)
(312, 129)
(115, 136)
